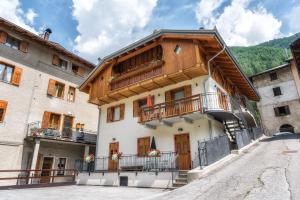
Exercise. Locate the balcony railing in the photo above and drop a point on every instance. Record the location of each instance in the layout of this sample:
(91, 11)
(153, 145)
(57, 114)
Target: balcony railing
(67, 134)
(166, 161)
(148, 71)
(197, 103)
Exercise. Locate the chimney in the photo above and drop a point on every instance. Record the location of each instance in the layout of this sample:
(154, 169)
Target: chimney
(47, 33)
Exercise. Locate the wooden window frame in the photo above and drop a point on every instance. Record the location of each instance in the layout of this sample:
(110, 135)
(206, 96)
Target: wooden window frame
(51, 91)
(137, 113)
(13, 39)
(277, 111)
(110, 113)
(59, 120)
(16, 74)
(139, 154)
(61, 60)
(4, 107)
(59, 174)
(68, 99)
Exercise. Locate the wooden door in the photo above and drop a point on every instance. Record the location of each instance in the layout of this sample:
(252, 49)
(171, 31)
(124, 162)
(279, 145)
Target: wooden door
(46, 167)
(222, 100)
(67, 126)
(182, 148)
(113, 148)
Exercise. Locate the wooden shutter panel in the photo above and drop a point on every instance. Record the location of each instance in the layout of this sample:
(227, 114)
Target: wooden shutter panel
(3, 105)
(187, 91)
(276, 110)
(16, 78)
(168, 96)
(122, 111)
(3, 37)
(24, 46)
(55, 60)
(81, 71)
(51, 87)
(136, 108)
(109, 115)
(46, 118)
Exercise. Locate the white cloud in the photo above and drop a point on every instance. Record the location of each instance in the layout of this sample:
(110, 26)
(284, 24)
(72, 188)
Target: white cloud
(293, 19)
(106, 25)
(206, 12)
(240, 25)
(10, 10)
(30, 15)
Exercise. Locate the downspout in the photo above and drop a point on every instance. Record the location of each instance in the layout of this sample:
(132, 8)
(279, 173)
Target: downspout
(98, 135)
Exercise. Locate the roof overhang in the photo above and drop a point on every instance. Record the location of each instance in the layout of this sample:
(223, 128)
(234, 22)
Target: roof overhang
(180, 34)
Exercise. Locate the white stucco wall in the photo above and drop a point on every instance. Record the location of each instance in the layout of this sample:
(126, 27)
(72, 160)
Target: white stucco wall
(128, 130)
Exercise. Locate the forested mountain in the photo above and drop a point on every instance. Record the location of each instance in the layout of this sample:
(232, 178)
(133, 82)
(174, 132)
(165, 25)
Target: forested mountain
(254, 59)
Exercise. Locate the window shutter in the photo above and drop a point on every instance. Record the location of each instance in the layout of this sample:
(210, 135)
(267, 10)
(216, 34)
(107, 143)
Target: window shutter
(55, 60)
(16, 78)
(81, 71)
(46, 118)
(168, 96)
(136, 108)
(122, 111)
(3, 37)
(24, 46)
(51, 87)
(187, 91)
(109, 115)
(287, 110)
(276, 110)
(3, 105)
(59, 120)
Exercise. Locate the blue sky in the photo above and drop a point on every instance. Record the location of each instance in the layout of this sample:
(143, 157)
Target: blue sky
(95, 28)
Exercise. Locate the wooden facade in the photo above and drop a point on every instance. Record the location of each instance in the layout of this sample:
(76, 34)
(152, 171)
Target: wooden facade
(166, 59)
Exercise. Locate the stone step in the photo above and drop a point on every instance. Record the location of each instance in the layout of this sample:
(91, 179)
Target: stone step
(181, 180)
(182, 176)
(179, 184)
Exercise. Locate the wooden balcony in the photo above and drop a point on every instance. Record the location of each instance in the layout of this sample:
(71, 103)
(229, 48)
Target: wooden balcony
(197, 104)
(147, 71)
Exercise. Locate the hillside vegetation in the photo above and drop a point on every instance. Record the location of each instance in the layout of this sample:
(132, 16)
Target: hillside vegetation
(267, 55)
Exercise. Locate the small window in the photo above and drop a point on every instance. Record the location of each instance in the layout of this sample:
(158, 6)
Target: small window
(63, 64)
(277, 91)
(61, 166)
(273, 76)
(282, 111)
(71, 94)
(54, 121)
(6, 73)
(177, 49)
(3, 106)
(178, 94)
(116, 113)
(12, 42)
(59, 90)
(75, 69)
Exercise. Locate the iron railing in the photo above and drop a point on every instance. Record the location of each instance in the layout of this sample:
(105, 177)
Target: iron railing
(78, 135)
(166, 161)
(197, 103)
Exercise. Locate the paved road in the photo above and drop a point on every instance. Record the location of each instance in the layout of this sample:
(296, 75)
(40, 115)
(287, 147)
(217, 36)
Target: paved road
(269, 171)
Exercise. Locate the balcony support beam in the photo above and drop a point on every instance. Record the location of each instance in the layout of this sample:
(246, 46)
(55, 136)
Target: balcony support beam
(188, 120)
(167, 123)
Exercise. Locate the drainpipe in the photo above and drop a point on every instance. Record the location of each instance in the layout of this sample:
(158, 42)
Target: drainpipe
(209, 71)
(98, 135)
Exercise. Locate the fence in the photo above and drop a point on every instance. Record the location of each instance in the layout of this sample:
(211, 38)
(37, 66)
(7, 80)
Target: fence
(210, 151)
(166, 161)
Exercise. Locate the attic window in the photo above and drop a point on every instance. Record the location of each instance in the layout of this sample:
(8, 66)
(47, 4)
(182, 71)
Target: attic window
(177, 49)
(75, 69)
(273, 76)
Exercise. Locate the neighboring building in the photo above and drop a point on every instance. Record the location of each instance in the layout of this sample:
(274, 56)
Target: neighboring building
(44, 118)
(159, 87)
(279, 90)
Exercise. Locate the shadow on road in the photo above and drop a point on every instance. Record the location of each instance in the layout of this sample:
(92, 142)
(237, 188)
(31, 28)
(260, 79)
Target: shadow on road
(282, 136)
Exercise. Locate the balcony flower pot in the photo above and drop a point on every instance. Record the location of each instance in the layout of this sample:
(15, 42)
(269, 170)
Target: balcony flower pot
(117, 156)
(154, 153)
(90, 158)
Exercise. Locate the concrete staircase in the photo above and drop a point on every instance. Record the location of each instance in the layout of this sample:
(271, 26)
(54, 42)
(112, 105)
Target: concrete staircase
(181, 180)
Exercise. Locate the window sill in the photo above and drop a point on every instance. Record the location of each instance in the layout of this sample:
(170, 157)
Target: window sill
(55, 97)
(9, 83)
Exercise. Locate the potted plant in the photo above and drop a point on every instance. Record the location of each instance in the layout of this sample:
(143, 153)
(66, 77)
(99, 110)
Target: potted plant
(154, 153)
(116, 156)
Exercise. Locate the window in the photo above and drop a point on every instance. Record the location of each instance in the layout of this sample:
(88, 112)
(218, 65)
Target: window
(277, 91)
(282, 111)
(177, 49)
(54, 122)
(6, 73)
(143, 146)
(71, 94)
(178, 94)
(273, 76)
(115, 113)
(63, 64)
(56, 89)
(75, 69)
(3, 106)
(61, 166)
(12, 42)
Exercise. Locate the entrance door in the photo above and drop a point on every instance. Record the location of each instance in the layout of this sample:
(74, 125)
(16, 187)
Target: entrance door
(182, 148)
(113, 148)
(46, 167)
(67, 126)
